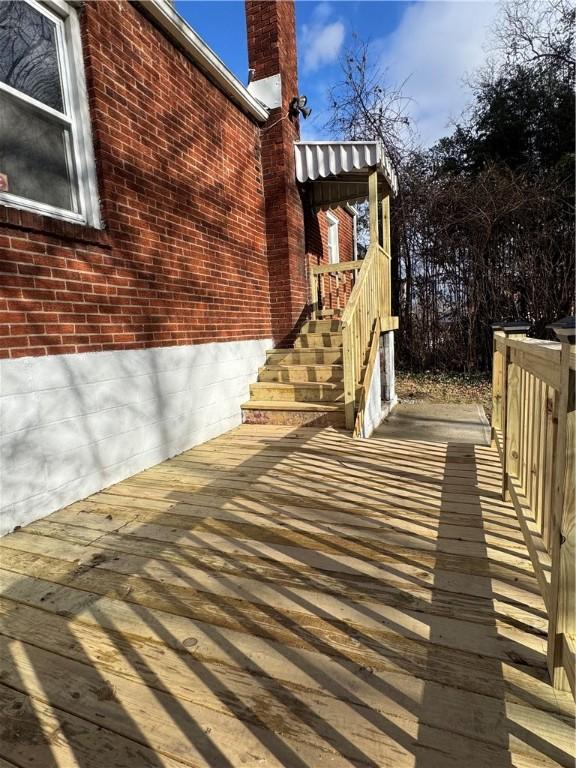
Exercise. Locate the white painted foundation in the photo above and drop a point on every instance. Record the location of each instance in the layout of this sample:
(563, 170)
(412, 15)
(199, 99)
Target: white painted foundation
(388, 374)
(71, 425)
(381, 398)
(373, 408)
(388, 371)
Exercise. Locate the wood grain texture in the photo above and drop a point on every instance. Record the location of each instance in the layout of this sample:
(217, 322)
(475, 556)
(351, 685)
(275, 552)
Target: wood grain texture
(536, 435)
(281, 597)
(563, 535)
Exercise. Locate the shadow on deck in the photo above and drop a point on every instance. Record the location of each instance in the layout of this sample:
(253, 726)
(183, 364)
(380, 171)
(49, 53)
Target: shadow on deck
(281, 597)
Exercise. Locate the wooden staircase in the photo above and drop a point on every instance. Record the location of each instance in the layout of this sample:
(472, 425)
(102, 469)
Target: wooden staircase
(303, 385)
(327, 378)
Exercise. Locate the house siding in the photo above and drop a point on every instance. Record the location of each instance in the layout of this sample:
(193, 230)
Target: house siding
(74, 424)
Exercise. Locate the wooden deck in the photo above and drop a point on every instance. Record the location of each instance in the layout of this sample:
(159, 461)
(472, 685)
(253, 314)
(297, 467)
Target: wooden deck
(281, 597)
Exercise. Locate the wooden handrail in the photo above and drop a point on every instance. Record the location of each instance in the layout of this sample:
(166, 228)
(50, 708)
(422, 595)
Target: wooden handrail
(534, 428)
(341, 266)
(368, 302)
(319, 272)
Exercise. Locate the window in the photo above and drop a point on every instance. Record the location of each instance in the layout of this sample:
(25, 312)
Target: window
(46, 162)
(354, 214)
(333, 246)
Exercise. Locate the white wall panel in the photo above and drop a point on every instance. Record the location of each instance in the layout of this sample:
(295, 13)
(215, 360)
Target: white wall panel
(71, 425)
(373, 406)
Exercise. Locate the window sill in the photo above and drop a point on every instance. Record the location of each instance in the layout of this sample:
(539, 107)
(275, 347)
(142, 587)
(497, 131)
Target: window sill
(48, 225)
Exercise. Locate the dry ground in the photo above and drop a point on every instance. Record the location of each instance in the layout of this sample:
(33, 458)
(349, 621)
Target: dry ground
(445, 388)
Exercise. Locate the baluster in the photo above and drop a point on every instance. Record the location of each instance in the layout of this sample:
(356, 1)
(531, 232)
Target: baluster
(349, 374)
(551, 433)
(529, 437)
(539, 457)
(535, 448)
(522, 427)
(497, 363)
(510, 402)
(314, 292)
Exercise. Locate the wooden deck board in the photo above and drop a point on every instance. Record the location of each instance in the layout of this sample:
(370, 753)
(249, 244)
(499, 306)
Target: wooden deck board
(281, 597)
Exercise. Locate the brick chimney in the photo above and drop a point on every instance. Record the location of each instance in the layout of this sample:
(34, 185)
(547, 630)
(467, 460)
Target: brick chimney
(272, 51)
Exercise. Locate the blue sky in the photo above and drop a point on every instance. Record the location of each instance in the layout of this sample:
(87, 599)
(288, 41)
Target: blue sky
(430, 44)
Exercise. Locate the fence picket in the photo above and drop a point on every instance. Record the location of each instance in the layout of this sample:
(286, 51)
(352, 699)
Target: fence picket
(534, 427)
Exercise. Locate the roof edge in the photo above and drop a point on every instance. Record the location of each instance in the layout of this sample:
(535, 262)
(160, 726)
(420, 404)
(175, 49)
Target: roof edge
(376, 142)
(178, 30)
(321, 160)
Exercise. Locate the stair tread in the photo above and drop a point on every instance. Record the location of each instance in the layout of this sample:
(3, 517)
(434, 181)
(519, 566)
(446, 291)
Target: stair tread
(291, 405)
(319, 333)
(300, 349)
(278, 366)
(322, 326)
(299, 384)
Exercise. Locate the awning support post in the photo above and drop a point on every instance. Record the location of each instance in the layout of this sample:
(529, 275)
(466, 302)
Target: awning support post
(373, 205)
(386, 244)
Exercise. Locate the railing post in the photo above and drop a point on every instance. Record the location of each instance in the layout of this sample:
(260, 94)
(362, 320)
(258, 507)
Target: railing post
(314, 293)
(373, 206)
(349, 377)
(386, 240)
(561, 614)
(497, 384)
(387, 248)
(510, 403)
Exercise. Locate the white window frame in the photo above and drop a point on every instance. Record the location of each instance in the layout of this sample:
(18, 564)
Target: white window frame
(354, 213)
(77, 119)
(333, 232)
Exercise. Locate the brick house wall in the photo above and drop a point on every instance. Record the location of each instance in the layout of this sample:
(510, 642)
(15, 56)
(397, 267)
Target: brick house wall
(317, 236)
(124, 345)
(333, 290)
(272, 50)
(296, 236)
(182, 259)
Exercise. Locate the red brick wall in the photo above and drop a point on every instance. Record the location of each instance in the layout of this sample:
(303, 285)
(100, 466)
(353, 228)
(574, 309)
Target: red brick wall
(272, 50)
(346, 234)
(334, 291)
(182, 259)
(317, 236)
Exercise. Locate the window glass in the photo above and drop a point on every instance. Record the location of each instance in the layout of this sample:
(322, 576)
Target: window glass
(29, 53)
(46, 160)
(34, 152)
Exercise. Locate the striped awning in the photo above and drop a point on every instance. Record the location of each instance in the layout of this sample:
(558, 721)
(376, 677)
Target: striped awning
(338, 170)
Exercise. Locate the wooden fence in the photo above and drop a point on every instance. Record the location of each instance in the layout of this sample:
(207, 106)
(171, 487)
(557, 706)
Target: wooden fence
(534, 428)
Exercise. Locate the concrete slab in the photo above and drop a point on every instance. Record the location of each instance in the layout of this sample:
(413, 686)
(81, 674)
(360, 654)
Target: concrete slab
(438, 423)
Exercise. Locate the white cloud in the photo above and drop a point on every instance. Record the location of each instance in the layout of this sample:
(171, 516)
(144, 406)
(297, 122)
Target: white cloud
(435, 46)
(321, 40)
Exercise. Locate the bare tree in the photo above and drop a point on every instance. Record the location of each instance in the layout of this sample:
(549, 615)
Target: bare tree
(364, 106)
(496, 245)
(530, 31)
(482, 227)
